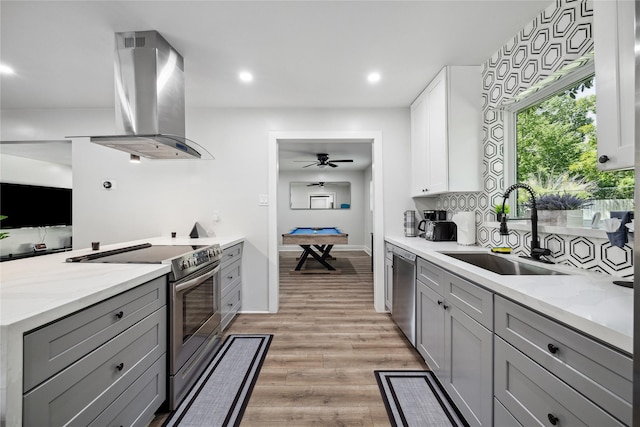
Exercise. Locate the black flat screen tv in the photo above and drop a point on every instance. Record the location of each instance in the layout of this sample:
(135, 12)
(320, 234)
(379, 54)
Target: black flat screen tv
(34, 206)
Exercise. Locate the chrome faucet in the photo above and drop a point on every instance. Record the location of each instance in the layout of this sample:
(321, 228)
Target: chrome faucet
(536, 250)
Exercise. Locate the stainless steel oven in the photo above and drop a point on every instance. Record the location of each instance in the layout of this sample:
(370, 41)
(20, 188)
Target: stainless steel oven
(194, 330)
(194, 296)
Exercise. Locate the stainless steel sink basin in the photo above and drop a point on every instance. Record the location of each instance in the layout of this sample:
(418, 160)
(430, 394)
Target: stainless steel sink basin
(501, 265)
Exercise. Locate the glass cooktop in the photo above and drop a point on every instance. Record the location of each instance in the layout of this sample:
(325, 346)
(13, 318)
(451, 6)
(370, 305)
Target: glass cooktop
(139, 254)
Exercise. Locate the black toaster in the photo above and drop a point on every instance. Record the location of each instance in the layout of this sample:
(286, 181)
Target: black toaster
(440, 231)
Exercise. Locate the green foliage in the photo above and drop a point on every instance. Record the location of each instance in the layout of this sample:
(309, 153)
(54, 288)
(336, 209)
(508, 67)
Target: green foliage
(498, 208)
(557, 149)
(559, 202)
(3, 235)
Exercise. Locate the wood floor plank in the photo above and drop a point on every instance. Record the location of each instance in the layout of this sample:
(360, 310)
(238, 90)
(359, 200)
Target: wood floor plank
(307, 416)
(328, 340)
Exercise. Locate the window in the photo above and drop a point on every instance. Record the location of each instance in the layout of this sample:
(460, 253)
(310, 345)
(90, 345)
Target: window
(555, 151)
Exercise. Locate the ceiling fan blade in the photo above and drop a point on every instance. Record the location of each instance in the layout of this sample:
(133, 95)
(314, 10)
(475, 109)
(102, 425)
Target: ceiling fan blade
(300, 161)
(342, 161)
(312, 164)
(332, 165)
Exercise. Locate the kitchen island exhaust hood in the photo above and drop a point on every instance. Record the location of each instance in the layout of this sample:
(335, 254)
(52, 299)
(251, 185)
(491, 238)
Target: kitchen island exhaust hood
(150, 106)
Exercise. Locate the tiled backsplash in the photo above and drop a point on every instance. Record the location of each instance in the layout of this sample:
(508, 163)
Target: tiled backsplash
(560, 35)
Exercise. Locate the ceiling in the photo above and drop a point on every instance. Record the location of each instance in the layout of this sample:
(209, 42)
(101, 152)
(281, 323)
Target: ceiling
(303, 54)
(311, 54)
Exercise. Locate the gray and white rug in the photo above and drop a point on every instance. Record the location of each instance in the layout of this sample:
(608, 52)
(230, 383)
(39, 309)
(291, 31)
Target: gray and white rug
(415, 399)
(221, 395)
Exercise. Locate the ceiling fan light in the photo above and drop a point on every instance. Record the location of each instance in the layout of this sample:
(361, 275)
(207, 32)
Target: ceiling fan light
(322, 165)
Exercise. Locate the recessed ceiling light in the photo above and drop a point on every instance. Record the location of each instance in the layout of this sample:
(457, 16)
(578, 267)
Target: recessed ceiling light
(245, 76)
(5, 69)
(373, 77)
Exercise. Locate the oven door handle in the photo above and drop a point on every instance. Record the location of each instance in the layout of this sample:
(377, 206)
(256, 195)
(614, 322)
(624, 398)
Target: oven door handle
(195, 282)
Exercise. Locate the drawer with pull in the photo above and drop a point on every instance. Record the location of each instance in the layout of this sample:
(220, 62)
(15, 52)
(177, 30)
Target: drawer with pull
(600, 373)
(230, 275)
(49, 349)
(533, 396)
(78, 394)
(231, 254)
(231, 304)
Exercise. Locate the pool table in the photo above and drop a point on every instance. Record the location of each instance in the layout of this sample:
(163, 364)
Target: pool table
(320, 238)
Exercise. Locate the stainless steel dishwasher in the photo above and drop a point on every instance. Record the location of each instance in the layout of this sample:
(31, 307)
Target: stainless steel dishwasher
(403, 310)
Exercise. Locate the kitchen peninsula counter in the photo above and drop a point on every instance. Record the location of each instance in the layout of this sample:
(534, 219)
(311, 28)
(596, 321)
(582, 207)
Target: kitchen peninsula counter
(583, 300)
(36, 291)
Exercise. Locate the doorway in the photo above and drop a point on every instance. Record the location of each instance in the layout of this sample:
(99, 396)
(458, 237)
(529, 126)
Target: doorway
(374, 140)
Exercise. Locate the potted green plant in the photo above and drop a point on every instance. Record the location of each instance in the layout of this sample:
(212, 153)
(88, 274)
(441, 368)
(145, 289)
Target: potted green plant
(500, 212)
(560, 209)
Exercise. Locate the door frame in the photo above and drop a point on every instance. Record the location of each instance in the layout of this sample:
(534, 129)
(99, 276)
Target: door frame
(366, 137)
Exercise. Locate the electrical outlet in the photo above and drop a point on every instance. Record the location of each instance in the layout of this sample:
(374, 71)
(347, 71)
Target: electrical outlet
(263, 200)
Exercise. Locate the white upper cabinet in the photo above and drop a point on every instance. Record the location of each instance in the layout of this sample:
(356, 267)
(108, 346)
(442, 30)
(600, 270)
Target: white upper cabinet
(445, 133)
(613, 33)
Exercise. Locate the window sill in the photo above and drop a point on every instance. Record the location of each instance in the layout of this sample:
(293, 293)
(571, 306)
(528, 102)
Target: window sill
(553, 229)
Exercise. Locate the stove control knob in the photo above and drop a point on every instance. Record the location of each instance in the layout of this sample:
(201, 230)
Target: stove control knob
(183, 265)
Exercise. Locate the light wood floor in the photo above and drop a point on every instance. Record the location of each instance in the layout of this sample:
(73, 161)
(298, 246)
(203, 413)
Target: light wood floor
(327, 342)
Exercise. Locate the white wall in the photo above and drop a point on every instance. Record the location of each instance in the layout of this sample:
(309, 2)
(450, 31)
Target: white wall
(156, 197)
(347, 220)
(20, 170)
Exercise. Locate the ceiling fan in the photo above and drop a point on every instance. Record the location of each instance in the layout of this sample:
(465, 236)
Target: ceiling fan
(323, 161)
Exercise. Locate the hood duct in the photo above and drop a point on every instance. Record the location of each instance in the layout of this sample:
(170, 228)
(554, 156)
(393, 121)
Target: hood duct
(150, 107)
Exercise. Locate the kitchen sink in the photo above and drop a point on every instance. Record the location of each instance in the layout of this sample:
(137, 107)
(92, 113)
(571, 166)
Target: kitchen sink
(501, 265)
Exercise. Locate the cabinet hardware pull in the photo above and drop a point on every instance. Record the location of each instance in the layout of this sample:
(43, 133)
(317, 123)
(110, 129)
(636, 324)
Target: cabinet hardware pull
(439, 302)
(446, 307)
(120, 367)
(119, 314)
(553, 419)
(552, 348)
(603, 159)
(229, 277)
(230, 255)
(230, 304)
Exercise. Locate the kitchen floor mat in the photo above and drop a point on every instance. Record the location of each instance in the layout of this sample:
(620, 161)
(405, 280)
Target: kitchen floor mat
(221, 395)
(415, 399)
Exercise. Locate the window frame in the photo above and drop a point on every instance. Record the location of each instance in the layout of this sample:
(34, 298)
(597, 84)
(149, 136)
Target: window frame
(510, 119)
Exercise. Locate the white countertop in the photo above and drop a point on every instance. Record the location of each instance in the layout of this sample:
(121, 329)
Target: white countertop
(35, 291)
(584, 300)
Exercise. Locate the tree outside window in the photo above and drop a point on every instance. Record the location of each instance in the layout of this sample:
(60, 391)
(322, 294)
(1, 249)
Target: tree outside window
(556, 148)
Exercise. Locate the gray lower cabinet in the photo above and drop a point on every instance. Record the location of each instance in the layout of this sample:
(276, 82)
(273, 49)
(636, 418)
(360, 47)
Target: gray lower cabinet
(388, 276)
(120, 379)
(231, 277)
(430, 327)
(453, 336)
(533, 396)
(585, 381)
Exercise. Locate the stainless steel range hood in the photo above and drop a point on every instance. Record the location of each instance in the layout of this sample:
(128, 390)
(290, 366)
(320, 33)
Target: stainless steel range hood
(149, 85)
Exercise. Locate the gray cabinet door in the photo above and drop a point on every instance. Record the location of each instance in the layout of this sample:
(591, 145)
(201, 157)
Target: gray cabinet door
(430, 327)
(78, 394)
(230, 274)
(475, 301)
(137, 405)
(595, 370)
(468, 366)
(231, 254)
(536, 397)
(54, 347)
(231, 304)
